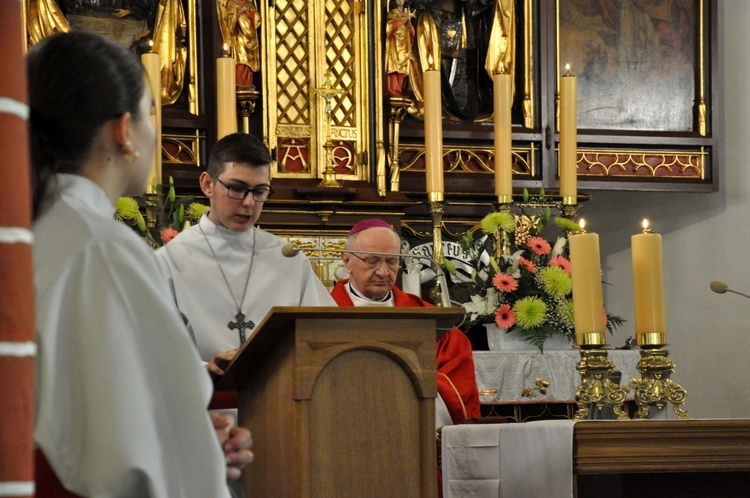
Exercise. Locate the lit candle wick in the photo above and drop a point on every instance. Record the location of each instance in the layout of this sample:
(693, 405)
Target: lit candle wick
(226, 50)
(646, 226)
(582, 224)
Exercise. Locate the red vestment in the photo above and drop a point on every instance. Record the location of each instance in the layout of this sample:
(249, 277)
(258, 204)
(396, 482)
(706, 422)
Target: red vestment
(456, 379)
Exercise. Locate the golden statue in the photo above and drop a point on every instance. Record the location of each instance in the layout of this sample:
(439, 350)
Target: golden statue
(502, 46)
(44, 18)
(170, 30)
(399, 37)
(167, 21)
(239, 21)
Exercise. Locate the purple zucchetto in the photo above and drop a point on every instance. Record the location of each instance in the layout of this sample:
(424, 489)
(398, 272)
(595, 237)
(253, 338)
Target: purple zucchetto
(369, 223)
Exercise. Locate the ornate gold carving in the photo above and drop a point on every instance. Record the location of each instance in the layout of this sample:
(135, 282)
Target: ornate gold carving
(643, 163)
(468, 159)
(596, 389)
(655, 388)
(306, 40)
(181, 149)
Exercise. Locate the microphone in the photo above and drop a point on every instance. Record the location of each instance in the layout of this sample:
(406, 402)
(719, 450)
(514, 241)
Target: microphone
(721, 288)
(290, 250)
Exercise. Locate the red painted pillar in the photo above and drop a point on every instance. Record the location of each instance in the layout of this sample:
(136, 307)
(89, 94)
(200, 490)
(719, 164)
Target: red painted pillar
(17, 347)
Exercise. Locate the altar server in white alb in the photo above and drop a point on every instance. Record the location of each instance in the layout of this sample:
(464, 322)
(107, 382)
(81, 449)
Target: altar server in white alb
(120, 395)
(225, 272)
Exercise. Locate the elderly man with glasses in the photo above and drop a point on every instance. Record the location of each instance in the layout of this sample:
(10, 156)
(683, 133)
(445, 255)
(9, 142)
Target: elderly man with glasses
(373, 265)
(225, 272)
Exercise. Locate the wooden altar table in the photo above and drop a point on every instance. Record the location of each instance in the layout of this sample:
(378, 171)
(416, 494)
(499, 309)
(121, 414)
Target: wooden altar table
(616, 459)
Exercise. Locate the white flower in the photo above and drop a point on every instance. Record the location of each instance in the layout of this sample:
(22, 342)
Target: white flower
(479, 305)
(557, 250)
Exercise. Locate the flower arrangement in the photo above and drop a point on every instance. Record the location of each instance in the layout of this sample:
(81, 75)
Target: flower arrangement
(168, 215)
(518, 280)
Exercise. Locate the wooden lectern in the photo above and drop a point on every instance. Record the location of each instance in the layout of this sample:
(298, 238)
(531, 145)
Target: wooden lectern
(340, 401)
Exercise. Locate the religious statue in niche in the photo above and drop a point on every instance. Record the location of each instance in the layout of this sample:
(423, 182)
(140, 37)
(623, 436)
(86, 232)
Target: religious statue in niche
(132, 23)
(471, 38)
(239, 21)
(399, 39)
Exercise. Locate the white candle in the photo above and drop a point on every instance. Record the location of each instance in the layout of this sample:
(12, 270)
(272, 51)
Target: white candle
(226, 95)
(503, 138)
(152, 65)
(567, 155)
(588, 304)
(433, 132)
(648, 284)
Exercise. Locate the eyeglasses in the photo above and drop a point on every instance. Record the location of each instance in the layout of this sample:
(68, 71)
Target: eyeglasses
(239, 193)
(373, 262)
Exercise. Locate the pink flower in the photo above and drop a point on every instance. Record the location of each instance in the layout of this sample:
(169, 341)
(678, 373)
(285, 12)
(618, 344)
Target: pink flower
(527, 264)
(538, 245)
(561, 262)
(505, 317)
(504, 282)
(168, 234)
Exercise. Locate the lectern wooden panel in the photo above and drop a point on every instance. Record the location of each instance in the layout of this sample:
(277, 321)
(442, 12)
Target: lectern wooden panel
(340, 402)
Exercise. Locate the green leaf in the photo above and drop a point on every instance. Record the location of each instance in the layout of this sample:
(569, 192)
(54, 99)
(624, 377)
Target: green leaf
(525, 195)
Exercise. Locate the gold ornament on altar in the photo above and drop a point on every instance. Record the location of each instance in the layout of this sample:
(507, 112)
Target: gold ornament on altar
(328, 92)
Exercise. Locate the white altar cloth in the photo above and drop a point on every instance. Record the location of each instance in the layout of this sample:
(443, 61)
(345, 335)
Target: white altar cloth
(529, 460)
(502, 375)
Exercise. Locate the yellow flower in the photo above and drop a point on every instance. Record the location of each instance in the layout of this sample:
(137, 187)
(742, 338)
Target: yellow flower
(494, 222)
(530, 312)
(555, 281)
(126, 208)
(196, 210)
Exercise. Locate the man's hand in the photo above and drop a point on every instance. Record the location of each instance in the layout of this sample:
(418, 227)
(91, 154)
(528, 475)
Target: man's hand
(220, 362)
(236, 443)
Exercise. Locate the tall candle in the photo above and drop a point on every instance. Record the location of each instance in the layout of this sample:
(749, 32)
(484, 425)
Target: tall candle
(226, 95)
(503, 138)
(648, 285)
(152, 65)
(567, 159)
(588, 305)
(433, 132)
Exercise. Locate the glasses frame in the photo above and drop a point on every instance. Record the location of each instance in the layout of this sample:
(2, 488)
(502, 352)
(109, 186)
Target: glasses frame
(254, 190)
(380, 260)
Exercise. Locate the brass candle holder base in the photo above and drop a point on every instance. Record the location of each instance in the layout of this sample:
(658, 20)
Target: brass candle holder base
(329, 176)
(152, 207)
(596, 388)
(655, 388)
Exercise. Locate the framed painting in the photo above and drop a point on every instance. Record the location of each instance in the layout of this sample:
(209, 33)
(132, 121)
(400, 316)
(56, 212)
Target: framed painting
(640, 63)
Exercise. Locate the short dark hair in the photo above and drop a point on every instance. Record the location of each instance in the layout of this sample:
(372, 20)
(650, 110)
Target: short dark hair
(237, 148)
(77, 82)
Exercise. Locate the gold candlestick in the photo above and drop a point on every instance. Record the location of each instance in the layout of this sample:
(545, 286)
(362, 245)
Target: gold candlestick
(328, 92)
(596, 387)
(655, 388)
(246, 100)
(436, 211)
(399, 106)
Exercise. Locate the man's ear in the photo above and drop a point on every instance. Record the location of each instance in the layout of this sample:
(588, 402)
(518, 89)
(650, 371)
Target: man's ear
(346, 259)
(207, 184)
(121, 133)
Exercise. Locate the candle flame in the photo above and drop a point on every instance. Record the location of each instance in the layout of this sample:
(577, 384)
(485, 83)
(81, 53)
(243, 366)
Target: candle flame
(645, 223)
(226, 50)
(582, 224)
(429, 61)
(502, 68)
(567, 69)
(151, 45)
